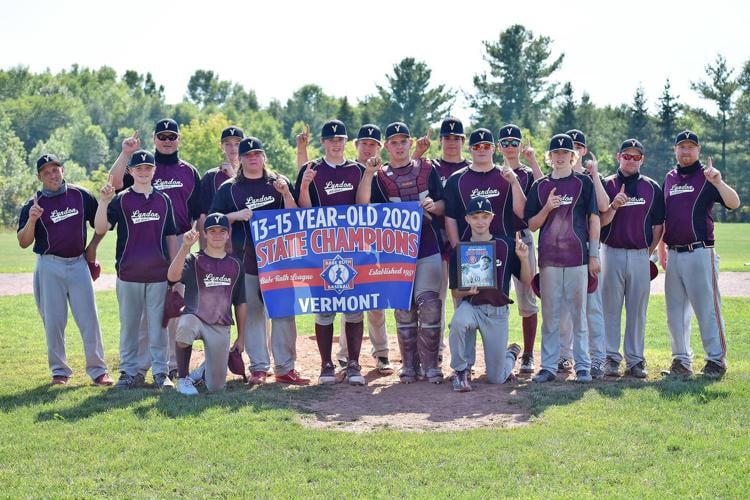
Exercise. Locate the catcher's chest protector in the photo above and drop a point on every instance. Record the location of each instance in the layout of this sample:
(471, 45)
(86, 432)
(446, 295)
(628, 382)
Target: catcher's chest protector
(408, 182)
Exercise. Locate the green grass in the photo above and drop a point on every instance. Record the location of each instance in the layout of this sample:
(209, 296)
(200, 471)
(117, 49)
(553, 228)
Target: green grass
(733, 247)
(624, 439)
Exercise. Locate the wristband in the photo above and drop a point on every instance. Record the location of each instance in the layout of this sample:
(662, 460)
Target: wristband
(594, 248)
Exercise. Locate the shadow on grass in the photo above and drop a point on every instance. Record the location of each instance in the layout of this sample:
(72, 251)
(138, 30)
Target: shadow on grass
(557, 394)
(145, 402)
(41, 395)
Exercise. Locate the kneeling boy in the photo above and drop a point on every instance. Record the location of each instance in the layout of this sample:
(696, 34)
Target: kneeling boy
(486, 309)
(213, 282)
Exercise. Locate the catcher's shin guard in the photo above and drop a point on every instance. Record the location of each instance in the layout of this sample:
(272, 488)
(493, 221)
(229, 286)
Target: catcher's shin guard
(429, 307)
(406, 331)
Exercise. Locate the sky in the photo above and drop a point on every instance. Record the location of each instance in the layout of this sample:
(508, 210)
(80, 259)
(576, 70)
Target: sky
(347, 48)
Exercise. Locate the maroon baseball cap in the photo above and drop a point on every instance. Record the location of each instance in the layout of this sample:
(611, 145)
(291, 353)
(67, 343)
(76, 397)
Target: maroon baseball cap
(173, 305)
(95, 269)
(236, 364)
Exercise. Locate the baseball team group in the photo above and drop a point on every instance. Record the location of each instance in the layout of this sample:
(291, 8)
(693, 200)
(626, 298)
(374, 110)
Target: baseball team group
(599, 238)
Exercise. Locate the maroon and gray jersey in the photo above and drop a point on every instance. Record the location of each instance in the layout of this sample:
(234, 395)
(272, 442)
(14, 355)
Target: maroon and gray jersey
(212, 286)
(61, 230)
(506, 264)
(688, 203)
(445, 169)
(210, 183)
(563, 238)
(181, 182)
(413, 182)
(256, 194)
(526, 179)
(333, 184)
(631, 227)
(143, 224)
(467, 184)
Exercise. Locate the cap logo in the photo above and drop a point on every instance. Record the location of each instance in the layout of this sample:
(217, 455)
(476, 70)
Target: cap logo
(369, 131)
(480, 204)
(334, 127)
(561, 140)
(632, 142)
(252, 143)
(166, 125)
(481, 135)
(143, 156)
(231, 131)
(216, 219)
(508, 130)
(397, 127)
(452, 125)
(575, 135)
(46, 158)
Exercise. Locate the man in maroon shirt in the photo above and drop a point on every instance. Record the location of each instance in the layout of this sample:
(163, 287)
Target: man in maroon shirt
(55, 221)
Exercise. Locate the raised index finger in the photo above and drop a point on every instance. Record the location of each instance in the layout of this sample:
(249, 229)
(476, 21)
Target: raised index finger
(36, 200)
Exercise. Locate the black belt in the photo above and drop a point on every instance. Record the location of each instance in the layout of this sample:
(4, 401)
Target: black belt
(692, 246)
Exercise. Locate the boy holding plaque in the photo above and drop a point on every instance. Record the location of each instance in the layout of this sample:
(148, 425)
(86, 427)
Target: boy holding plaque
(482, 295)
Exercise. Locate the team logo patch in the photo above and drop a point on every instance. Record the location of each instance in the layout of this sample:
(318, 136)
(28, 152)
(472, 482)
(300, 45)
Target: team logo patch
(675, 190)
(60, 215)
(164, 184)
(333, 187)
(566, 200)
(253, 203)
(210, 281)
(487, 193)
(338, 274)
(138, 217)
(634, 202)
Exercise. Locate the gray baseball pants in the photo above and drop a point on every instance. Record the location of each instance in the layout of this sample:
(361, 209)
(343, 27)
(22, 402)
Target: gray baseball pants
(692, 284)
(625, 278)
(57, 282)
(216, 347)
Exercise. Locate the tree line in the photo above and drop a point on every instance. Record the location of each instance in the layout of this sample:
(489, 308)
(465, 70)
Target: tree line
(82, 114)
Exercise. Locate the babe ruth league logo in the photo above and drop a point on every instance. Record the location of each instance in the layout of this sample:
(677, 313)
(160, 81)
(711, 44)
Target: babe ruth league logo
(338, 274)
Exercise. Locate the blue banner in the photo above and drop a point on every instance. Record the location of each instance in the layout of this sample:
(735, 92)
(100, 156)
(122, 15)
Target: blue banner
(337, 259)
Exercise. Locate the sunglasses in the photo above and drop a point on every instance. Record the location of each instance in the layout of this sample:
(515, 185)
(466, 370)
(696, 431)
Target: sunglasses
(508, 143)
(484, 146)
(626, 156)
(166, 137)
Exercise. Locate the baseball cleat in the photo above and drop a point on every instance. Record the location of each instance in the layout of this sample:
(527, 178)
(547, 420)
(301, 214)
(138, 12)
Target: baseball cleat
(162, 381)
(327, 375)
(713, 370)
(583, 376)
(59, 380)
(103, 380)
(257, 377)
(638, 370)
(198, 375)
(384, 366)
(125, 381)
(354, 374)
(565, 365)
(292, 377)
(611, 368)
(596, 371)
(527, 363)
(185, 386)
(461, 382)
(678, 370)
(544, 376)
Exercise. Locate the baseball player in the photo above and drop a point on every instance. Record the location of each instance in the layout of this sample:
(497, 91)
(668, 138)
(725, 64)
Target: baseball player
(631, 229)
(255, 187)
(563, 206)
(213, 283)
(368, 144)
(452, 138)
(594, 315)
(212, 179)
(54, 220)
(404, 179)
(510, 146)
(486, 309)
(482, 178)
(181, 181)
(333, 180)
(146, 244)
(691, 264)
